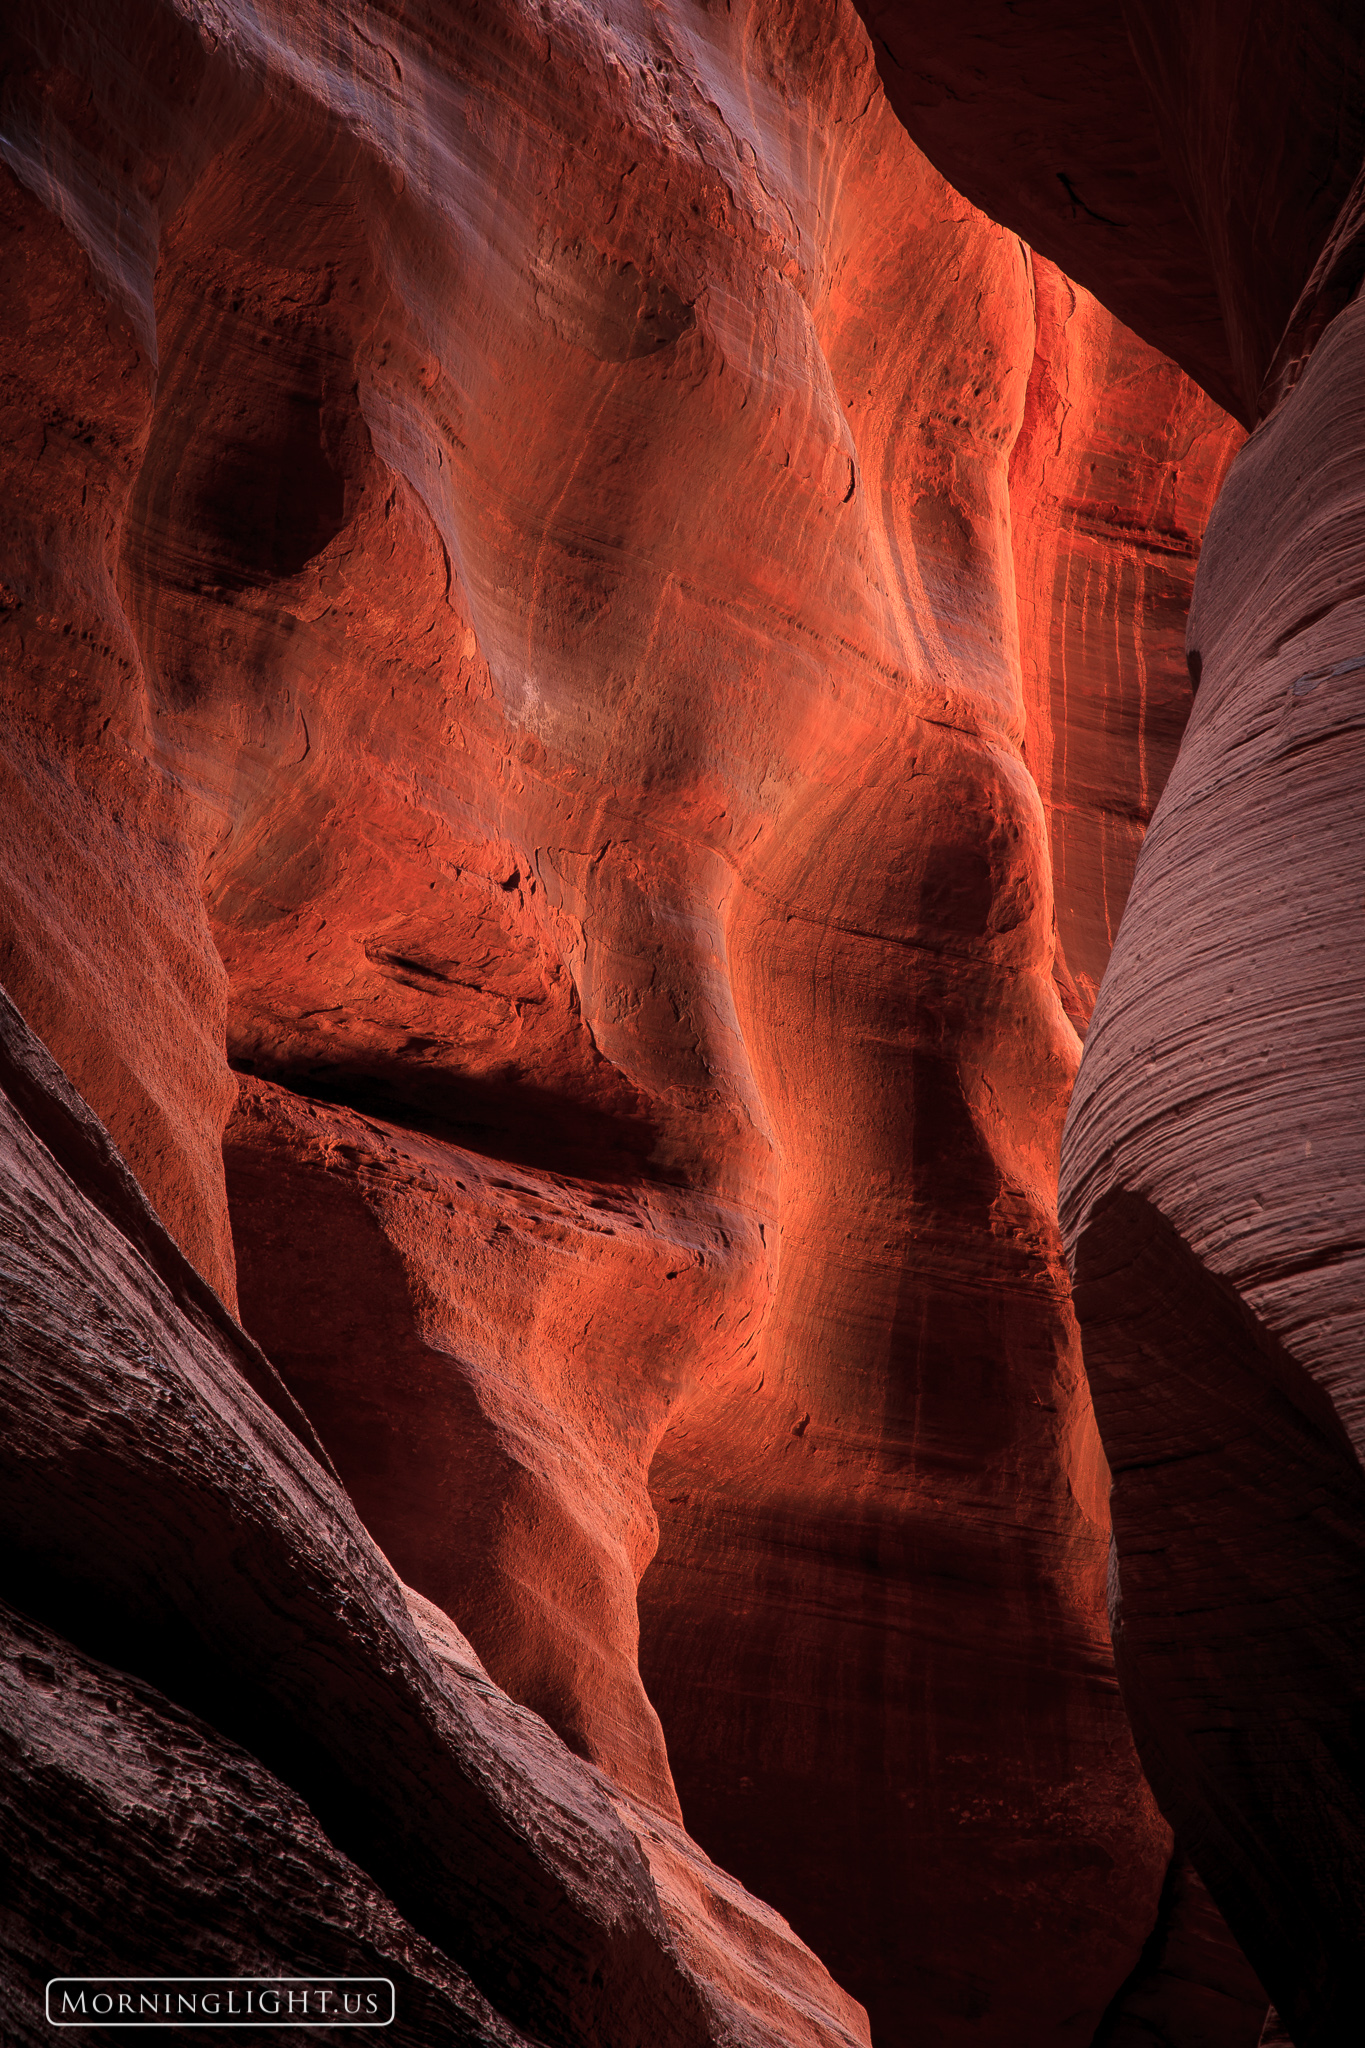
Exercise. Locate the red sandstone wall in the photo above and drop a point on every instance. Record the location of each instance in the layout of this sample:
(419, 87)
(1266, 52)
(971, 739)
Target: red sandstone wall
(1199, 167)
(918, 1371)
(105, 942)
(1111, 480)
(588, 552)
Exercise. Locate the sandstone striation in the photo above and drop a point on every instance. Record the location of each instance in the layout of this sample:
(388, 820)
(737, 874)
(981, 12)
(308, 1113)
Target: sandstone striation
(1111, 480)
(123, 1810)
(1200, 169)
(1213, 1187)
(105, 942)
(578, 599)
(431, 1305)
(483, 1829)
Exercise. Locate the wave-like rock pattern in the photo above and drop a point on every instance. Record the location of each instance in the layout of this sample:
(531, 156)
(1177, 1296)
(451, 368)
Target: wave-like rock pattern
(1214, 1197)
(1200, 167)
(577, 597)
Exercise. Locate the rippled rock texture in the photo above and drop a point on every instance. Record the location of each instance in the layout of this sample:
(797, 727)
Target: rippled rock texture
(1199, 167)
(1214, 1198)
(565, 601)
(1212, 1166)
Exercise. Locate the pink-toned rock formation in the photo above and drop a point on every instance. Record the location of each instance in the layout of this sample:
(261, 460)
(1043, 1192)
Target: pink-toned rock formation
(565, 601)
(1214, 1199)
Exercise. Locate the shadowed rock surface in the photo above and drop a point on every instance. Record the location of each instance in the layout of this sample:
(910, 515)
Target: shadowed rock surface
(1192, 1986)
(588, 649)
(164, 1516)
(1222, 1086)
(125, 1811)
(1185, 162)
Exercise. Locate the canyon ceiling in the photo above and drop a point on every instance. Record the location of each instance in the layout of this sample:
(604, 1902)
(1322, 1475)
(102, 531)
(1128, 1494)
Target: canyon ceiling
(589, 643)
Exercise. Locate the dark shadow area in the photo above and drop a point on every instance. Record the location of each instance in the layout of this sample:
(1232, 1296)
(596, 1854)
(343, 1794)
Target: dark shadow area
(1239, 1611)
(505, 1120)
(267, 505)
(1191, 1987)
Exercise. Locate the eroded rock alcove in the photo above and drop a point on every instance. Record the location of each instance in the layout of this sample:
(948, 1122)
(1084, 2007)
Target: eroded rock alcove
(588, 651)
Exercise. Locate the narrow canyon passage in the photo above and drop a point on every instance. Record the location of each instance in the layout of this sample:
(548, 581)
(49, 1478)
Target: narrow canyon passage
(589, 650)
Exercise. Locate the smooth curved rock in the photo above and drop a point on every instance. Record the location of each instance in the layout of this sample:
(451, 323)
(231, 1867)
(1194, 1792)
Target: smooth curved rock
(1213, 1157)
(1212, 1185)
(434, 1307)
(160, 1512)
(103, 937)
(1112, 478)
(580, 630)
(1193, 1987)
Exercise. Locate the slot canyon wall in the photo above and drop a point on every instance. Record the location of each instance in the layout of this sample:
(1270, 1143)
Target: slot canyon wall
(1199, 167)
(588, 650)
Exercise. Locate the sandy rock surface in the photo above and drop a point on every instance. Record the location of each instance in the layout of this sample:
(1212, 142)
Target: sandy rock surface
(585, 671)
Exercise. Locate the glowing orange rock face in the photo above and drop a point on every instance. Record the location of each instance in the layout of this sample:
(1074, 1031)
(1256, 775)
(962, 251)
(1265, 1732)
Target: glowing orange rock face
(1111, 481)
(609, 558)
